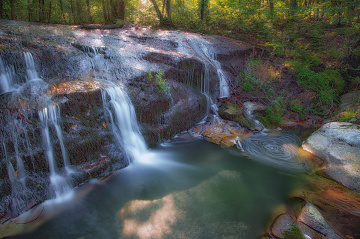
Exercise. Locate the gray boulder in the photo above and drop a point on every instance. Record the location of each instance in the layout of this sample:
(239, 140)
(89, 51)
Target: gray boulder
(338, 144)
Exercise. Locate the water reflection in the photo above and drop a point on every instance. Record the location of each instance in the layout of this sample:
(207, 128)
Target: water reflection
(194, 189)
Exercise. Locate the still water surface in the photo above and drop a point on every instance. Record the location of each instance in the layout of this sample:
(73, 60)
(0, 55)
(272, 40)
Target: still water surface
(183, 189)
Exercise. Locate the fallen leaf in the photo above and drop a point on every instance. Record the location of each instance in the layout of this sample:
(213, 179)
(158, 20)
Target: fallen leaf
(104, 124)
(73, 126)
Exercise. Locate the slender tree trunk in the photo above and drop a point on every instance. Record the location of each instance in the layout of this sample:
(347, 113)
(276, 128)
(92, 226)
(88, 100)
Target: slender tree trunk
(106, 12)
(2, 9)
(79, 11)
(12, 9)
(88, 10)
(62, 9)
(157, 10)
(122, 7)
(113, 9)
(50, 10)
(73, 11)
(29, 10)
(204, 6)
(40, 11)
(163, 7)
(168, 10)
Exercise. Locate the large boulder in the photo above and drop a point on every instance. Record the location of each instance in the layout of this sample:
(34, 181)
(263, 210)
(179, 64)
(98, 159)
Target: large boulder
(338, 145)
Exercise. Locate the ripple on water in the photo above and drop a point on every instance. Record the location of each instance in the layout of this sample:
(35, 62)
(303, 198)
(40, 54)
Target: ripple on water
(280, 150)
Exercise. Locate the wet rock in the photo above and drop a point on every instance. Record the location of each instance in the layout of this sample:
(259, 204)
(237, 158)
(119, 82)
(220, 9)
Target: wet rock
(164, 114)
(243, 114)
(338, 144)
(282, 223)
(311, 217)
(339, 206)
(224, 133)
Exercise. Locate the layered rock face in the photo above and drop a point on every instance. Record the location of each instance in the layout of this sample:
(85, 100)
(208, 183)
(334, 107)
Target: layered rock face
(167, 75)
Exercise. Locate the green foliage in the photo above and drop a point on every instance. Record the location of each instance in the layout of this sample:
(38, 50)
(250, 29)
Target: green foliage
(327, 84)
(258, 76)
(348, 115)
(297, 107)
(273, 114)
(159, 81)
(293, 233)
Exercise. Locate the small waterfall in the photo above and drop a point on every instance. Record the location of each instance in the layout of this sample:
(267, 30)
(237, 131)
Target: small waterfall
(121, 115)
(59, 184)
(209, 58)
(6, 82)
(30, 68)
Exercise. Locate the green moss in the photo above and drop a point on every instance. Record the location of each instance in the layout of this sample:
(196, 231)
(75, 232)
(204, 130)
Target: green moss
(293, 233)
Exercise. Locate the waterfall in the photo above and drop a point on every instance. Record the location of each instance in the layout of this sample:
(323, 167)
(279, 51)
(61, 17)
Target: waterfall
(122, 118)
(6, 82)
(30, 68)
(209, 58)
(59, 184)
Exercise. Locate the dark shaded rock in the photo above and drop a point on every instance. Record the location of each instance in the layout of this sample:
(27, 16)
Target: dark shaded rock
(164, 114)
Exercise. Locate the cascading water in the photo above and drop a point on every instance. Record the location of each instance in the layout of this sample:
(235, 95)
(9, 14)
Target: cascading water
(121, 115)
(6, 82)
(209, 58)
(59, 184)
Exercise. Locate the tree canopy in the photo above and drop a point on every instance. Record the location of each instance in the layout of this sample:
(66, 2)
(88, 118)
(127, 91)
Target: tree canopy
(194, 14)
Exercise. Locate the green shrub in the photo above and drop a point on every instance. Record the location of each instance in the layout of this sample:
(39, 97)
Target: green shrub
(297, 107)
(327, 84)
(273, 114)
(159, 81)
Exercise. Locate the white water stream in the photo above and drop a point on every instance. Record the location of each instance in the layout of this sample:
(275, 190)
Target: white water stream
(122, 118)
(6, 81)
(59, 183)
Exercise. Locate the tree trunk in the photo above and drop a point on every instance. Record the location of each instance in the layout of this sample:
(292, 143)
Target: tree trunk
(2, 9)
(79, 11)
(122, 8)
(106, 12)
(41, 10)
(62, 9)
(12, 9)
(49, 14)
(73, 11)
(88, 10)
(204, 6)
(271, 7)
(168, 11)
(29, 10)
(158, 13)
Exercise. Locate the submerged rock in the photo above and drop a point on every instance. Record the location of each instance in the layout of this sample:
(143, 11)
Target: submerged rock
(224, 133)
(338, 144)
